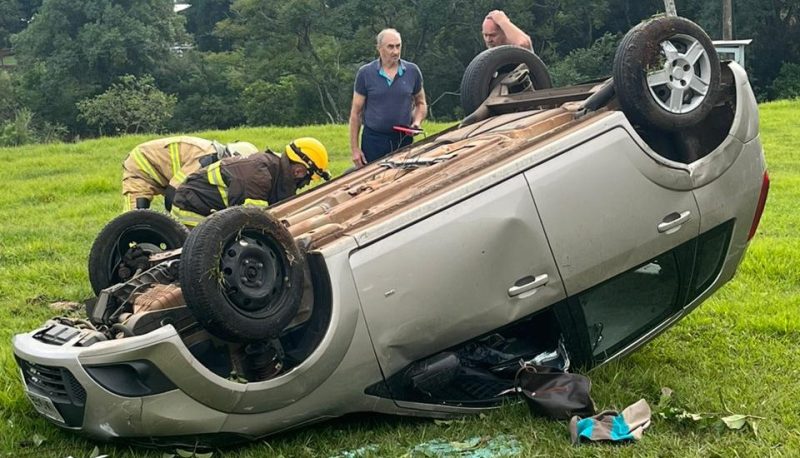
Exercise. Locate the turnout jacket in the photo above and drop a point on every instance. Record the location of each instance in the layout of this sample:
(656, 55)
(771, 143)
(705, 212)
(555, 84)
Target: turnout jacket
(166, 161)
(262, 178)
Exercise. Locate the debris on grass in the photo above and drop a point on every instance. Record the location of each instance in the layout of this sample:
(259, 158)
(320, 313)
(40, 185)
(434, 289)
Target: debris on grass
(449, 422)
(502, 446)
(34, 441)
(181, 453)
(668, 410)
(475, 447)
(95, 454)
(361, 452)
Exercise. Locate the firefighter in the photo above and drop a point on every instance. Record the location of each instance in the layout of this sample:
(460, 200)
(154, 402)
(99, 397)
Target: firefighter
(260, 179)
(157, 167)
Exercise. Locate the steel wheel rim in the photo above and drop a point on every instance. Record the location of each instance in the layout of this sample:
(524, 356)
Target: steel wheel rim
(682, 83)
(253, 274)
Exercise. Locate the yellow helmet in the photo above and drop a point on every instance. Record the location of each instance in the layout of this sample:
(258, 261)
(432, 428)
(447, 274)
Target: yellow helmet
(311, 153)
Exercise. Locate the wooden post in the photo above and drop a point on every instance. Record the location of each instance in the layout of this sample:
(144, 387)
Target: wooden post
(727, 19)
(669, 7)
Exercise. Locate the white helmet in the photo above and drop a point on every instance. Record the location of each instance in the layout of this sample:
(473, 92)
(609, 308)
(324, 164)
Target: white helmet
(243, 149)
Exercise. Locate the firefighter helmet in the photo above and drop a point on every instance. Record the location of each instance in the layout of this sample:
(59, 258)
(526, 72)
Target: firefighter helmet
(243, 149)
(311, 153)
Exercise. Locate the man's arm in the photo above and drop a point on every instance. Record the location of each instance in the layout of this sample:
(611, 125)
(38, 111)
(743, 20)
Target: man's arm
(420, 108)
(514, 34)
(356, 111)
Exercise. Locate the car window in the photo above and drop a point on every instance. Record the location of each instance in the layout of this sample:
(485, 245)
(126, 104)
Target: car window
(711, 249)
(628, 303)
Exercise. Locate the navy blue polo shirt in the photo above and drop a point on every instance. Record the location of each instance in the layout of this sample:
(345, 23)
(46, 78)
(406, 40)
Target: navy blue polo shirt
(388, 102)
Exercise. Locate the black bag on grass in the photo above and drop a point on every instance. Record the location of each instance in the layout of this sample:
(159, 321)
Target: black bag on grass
(552, 393)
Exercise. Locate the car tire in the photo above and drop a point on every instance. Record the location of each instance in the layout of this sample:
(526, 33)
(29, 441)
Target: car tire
(111, 258)
(242, 274)
(666, 73)
(489, 67)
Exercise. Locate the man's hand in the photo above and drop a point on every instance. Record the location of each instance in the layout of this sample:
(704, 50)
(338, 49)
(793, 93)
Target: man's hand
(359, 160)
(498, 16)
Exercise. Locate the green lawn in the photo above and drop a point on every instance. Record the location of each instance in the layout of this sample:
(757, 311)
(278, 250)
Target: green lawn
(739, 352)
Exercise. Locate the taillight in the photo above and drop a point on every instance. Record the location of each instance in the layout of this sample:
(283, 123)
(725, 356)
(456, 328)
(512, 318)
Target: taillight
(762, 200)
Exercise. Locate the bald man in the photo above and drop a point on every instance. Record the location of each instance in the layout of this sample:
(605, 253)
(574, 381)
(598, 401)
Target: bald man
(388, 91)
(498, 30)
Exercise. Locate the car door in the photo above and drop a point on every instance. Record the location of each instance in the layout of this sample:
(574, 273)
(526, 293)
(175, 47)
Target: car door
(470, 268)
(623, 242)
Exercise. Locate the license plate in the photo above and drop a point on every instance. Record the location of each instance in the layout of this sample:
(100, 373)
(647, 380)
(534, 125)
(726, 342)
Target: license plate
(45, 406)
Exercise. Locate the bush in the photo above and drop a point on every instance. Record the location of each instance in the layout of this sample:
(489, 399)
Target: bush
(18, 131)
(787, 84)
(132, 106)
(23, 129)
(586, 64)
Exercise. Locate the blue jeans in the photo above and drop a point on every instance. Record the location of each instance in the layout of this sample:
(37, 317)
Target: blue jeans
(376, 144)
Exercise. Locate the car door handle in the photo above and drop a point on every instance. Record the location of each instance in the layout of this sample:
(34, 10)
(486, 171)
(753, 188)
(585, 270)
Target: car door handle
(673, 221)
(538, 281)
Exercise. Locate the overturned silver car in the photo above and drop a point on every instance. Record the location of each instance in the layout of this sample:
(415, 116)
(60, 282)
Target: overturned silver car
(563, 225)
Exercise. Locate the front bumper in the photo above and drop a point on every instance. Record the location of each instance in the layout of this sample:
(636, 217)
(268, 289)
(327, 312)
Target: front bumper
(62, 390)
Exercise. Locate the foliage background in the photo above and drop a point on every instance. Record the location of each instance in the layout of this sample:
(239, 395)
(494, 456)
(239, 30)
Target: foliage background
(231, 63)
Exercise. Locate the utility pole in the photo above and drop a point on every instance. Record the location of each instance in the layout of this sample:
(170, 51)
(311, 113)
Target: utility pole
(669, 8)
(727, 19)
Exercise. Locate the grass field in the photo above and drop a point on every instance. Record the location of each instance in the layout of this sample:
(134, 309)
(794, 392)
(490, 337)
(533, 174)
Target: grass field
(738, 353)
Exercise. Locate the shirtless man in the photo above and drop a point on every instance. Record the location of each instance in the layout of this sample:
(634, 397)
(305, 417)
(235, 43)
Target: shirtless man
(498, 30)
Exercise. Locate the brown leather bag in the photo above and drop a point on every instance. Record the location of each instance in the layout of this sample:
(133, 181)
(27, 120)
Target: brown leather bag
(552, 393)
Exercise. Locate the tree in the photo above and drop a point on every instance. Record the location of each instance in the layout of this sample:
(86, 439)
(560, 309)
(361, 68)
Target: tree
(305, 38)
(73, 50)
(14, 17)
(202, 18)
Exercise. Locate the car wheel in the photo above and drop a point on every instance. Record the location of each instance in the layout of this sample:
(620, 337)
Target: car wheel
(488, 68)
(242, 274)
(666, 73)
(124, 245)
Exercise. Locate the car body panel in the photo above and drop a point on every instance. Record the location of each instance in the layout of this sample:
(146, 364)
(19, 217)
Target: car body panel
(484, 245)
(596, 222)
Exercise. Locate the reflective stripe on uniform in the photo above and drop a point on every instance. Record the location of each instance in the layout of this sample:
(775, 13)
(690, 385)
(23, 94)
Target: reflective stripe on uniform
(256, 202)
(146, 167)
(187, 218)
(215, 178)
(175, 157)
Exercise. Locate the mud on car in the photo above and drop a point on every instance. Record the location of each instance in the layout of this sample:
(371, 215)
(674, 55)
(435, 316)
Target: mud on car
(567, 226)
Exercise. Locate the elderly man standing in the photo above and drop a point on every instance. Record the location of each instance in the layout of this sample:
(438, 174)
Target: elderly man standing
(387, 92)
(498, 30)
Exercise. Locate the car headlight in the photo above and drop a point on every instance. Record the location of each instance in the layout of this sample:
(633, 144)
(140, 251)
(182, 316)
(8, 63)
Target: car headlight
(131, 379)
